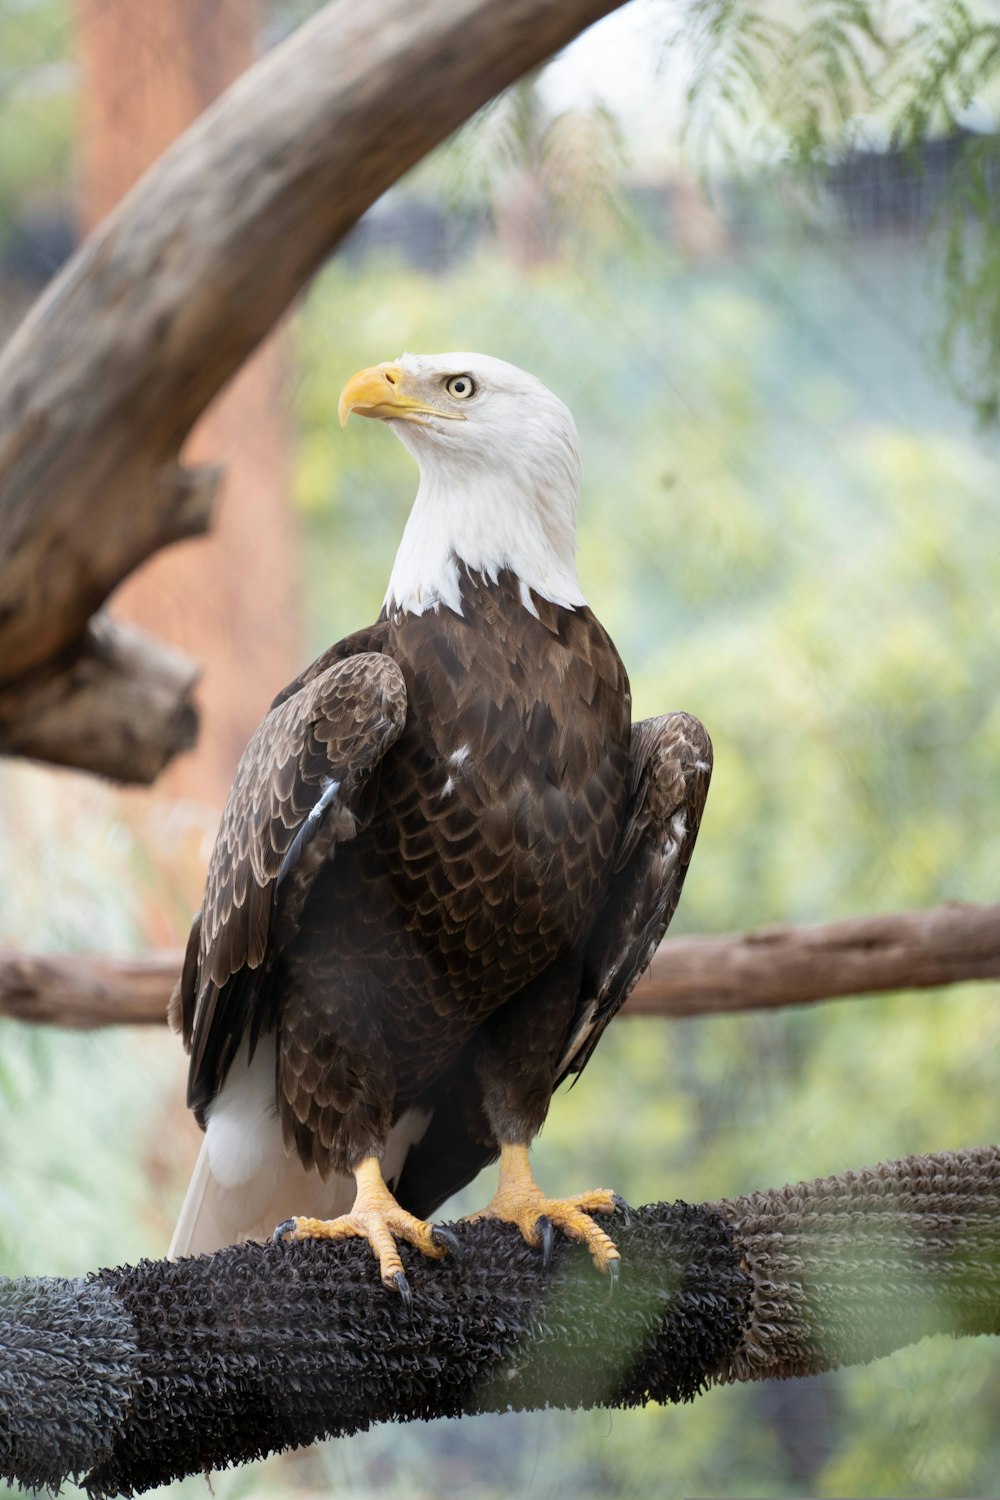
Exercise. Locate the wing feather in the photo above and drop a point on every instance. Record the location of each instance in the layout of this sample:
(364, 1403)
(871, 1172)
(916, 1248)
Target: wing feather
(670, 766)
(300, 789)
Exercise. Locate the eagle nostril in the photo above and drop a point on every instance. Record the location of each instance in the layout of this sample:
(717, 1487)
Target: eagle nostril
(390, 377)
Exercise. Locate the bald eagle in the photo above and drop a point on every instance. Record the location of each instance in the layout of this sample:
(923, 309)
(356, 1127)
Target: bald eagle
(446, 858)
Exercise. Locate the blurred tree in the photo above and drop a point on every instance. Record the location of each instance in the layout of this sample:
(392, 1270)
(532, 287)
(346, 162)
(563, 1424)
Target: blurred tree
(148, 71)
(552, 178)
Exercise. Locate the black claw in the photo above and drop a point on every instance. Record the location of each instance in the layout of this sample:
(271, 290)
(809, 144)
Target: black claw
(624, 1210)
(403, 1288)
(545, 1232)
(614, 1276)
(283, 1228)
(448, 1239)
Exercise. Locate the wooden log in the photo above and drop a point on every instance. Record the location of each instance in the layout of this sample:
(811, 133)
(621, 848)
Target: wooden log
(690, 976)
(104, 378)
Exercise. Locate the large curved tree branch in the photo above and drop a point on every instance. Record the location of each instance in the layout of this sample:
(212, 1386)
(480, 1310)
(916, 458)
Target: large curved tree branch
(166, 1370)
(690, 976)
(105, 377)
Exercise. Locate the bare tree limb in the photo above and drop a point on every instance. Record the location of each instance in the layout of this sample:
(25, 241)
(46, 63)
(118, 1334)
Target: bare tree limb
(171, 1369)
(84, 992)
(118, 703)
(776, 966)
(105, 377)
(690, 976)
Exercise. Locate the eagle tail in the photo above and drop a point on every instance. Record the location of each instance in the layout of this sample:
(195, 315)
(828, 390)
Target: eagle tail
(246, 1182)
(215, 1214)
(203, 1224)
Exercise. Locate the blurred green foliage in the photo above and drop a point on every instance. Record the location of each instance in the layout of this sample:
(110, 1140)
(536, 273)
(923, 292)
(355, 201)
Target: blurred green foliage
(36, 106)
(790, 530)
(78, 1111)
(802, 84)
(969, 234)
(803, 78)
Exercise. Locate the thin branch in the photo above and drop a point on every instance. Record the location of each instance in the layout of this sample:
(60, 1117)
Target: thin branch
(777, 966)
(690, 976)
(84, 992)
(104, 379)
(171, 1369)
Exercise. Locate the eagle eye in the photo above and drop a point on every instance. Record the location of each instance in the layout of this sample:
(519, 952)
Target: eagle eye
(460, 386)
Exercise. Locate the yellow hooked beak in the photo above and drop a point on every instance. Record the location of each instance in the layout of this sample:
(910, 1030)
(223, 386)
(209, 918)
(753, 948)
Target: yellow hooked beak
(386, 392)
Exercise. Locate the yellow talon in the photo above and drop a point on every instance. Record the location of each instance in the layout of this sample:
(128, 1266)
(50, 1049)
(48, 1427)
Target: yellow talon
(519, 1200)
(375, 1217)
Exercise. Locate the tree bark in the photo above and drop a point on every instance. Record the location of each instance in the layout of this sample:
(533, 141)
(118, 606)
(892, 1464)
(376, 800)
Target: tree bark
(120, 703)
(105, 377)
(113, 700)
(173, 1369)
(690, 976)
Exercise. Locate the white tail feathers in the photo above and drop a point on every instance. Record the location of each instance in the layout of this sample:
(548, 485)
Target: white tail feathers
(202, 1225)
(214, 1215)
(245, 1183)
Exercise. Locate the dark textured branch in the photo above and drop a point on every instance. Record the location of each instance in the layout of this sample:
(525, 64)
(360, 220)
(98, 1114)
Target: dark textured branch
(166, 1370)
(105, 377)
(691, 976)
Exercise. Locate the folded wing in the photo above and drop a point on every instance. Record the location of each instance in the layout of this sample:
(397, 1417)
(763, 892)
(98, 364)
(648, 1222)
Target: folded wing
(670, 766)
(306, 782)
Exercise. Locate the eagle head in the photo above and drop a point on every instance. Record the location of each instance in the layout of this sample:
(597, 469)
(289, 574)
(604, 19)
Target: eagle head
(499, 476)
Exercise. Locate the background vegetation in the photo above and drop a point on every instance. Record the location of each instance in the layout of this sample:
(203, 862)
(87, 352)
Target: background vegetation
(790, 524)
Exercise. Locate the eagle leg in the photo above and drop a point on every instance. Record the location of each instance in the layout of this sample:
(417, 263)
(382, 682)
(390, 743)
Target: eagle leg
(519, 1200)
(377, 1218)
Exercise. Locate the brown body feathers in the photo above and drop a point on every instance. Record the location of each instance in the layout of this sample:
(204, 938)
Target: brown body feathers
(446, 858)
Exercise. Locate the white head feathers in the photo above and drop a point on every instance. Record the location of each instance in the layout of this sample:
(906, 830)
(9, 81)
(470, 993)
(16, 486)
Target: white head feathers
(499, 476)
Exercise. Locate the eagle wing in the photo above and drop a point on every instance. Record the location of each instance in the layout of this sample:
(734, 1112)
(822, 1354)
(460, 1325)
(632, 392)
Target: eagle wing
(670, 766)
(305, 783)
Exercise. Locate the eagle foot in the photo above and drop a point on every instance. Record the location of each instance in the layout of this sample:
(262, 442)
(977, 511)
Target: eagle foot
(377, 1218)
(519, 1200)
